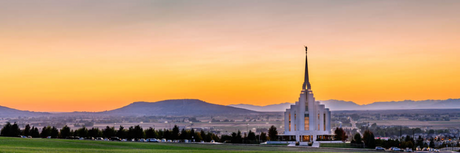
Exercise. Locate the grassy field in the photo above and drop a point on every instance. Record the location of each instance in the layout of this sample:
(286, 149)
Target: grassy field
(338, 145)
(20, 145)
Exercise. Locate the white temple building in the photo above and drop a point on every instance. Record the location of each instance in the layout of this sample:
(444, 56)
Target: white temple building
(308, 120)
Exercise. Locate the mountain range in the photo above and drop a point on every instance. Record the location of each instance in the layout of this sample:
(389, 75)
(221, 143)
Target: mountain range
(336, 105)
(195, 107)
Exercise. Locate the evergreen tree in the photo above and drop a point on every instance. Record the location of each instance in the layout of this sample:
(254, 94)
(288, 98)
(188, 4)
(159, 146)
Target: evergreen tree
(46, 131)
(82, 132)
(109, 132)
(183, 134)
(54, 133)
(35, 133)
(175, 132)
(6, 129)
(121, 133)
(131, 134)
(203, 135)
(357, 139)
(11, 130)
(407, 139)
(239, 139)
(167, 134)
(138, 132)
(160, 134)
(15, 131)
(198, 137)
(187, 135)
(233, 137)
(272, 133)
(369, 139)
(65, 132)
(150, 133)
(95, 132)
(226, 138)
(209, 137)
(251, 137)
(263, 137)
(372, 140)
(26, 131)
(214, 137)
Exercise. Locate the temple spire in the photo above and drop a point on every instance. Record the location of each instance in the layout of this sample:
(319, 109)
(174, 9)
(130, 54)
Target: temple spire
(306, 82)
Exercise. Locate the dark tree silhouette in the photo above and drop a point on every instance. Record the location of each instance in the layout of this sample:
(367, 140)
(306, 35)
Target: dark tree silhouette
(109, 132)
(121, 133)
(15, 131)
(46, 131)
(34, 132)
(183, 134)
(135, 132)
(150, 133)
(251, 137)
(26, 130)
(65, 132)
(81, 132)
(357, 139)
(273, 133)
(54, 132)
(175, 132)
(160, 134)
(198, 137)
(95, 132)
(340, 134)
(11, 130)
(263, 137)
(6, 129)
(203, 135)
(167, 134)
(369, 139)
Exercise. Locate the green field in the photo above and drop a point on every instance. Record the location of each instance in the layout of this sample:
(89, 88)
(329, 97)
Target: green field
(20, 145)
(337, 145)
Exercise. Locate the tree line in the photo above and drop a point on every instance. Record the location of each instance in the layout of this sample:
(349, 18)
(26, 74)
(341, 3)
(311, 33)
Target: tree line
(406, 142)
(133, 132)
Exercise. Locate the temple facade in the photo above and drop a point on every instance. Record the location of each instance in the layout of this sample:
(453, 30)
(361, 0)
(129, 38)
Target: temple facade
(307, 121)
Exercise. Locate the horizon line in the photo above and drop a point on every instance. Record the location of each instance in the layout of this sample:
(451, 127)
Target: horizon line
(221, 105)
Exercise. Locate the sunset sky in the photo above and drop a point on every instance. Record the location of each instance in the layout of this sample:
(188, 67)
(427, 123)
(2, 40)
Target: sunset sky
(99, 55)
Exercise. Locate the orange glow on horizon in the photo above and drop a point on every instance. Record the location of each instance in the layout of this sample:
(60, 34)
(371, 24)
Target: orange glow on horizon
(88, 59)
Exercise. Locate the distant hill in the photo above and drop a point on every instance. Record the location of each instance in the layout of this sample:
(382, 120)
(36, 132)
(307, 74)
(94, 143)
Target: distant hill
(9, 112)
(177, 107)
(336, 105)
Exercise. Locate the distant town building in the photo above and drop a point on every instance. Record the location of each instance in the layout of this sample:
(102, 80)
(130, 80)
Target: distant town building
(307, 120)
